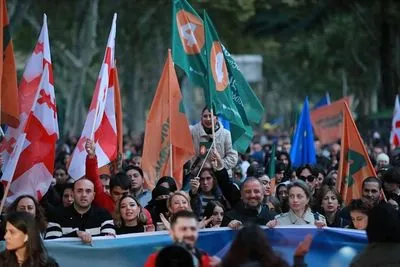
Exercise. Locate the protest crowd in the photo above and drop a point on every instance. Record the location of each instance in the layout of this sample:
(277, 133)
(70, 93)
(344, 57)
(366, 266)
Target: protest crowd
(104, 183)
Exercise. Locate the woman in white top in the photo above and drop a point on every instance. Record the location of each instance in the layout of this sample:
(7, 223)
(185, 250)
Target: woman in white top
(299, 212)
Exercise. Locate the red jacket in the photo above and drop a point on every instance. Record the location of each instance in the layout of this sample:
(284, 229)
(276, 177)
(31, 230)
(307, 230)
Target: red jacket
(151, 260)
(101, 198)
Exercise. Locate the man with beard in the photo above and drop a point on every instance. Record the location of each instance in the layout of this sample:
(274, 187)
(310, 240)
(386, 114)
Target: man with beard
(185, 232)
(371, 194)
(81, 219)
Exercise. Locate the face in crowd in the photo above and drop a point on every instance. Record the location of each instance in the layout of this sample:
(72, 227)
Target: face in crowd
(359, 219)
(60, 175)
(282, 193)
(206, 119)
(218, 215)
(252, 193)
(105, 181)
(330, 202)
(185, 230)
(206, 181)
(26, 204)
(266, 184)
(68, 197)
(83, 193)
(371, 191)
(298, 199)
(178, 203)
(309, 178)
(129, 209)
(137, 180)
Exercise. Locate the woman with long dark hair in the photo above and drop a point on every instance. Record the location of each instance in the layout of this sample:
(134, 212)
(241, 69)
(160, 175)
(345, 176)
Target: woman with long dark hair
(251, 248)
(29, 204)
(24, 246)
(214, 210)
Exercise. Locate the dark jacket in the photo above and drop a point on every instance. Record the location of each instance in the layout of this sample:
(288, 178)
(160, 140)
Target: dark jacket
(378, 255)
(239, 212)
(246, 215)
(10, 260)
(339, 222)
(67, 221)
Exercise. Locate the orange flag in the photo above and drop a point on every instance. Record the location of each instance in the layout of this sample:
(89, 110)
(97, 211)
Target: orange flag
(8, 91)
(328, 120)
(167, 131)
(355, 164)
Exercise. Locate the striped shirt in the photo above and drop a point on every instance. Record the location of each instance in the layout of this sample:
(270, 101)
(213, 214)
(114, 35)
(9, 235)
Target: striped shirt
(67, 221)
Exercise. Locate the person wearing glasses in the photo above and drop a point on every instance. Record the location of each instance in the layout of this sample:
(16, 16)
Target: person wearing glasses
(308, 175)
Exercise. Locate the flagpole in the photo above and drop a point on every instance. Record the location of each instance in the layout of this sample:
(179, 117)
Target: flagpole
(171, 170)
(213, 126)
(205, 159)
(3, 200)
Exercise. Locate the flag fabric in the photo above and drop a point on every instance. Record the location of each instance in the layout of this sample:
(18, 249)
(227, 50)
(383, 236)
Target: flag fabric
(271, 167)
(328, 121)
(8, 91)
(303, 150)
(188, 42)
(34, 170)
(9, 171)
(220, 94)
(355, 164)
(28, 89)
(167, 130)
(100, 125)
(395, 133)
(247, 103)
(190, 53)
(326, 100)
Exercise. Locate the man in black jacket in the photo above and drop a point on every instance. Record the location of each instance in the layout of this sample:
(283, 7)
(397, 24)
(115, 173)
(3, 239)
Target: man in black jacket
(246, 201)
(82, 219)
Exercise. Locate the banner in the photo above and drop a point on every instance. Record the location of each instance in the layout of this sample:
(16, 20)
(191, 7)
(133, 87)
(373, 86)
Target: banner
(330, 246)
(328, 121)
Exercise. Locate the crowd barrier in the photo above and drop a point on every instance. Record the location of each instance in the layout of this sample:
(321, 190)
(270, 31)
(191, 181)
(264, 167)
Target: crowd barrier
(332, 247)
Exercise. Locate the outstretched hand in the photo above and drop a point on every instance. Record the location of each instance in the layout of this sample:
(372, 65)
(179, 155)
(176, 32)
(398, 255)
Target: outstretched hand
(90, 148)
(304, 246)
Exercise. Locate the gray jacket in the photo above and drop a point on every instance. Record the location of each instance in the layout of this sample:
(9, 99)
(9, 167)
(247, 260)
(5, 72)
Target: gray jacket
(223, 143)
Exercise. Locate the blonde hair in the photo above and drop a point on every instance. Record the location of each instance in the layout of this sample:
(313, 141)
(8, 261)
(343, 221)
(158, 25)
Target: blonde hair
(178, 193)
(118, 221)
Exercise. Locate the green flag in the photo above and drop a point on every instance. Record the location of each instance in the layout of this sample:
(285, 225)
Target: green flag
(272, 162)
(188, 42)
(189, 52)
(220, 96)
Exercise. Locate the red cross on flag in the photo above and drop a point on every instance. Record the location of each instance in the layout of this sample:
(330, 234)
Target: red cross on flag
(100, 124)
(34, 169)
(28, 88)
(395, 133)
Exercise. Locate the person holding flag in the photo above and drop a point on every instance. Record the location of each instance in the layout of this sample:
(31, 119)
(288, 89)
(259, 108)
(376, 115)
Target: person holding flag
(203, 139)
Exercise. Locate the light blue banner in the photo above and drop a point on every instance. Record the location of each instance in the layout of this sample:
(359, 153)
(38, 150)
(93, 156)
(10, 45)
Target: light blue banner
(330, 247)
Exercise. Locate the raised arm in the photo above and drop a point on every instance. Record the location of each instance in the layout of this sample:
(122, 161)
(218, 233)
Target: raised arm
(92, 172)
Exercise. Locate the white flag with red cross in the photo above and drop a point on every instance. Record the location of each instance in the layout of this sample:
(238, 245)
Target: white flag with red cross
(34, 170)
(28, 88)
(100, 124)
(395, 133)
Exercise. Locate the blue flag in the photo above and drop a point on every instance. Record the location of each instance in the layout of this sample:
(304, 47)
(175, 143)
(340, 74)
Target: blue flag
(303, 150)
(326, 100)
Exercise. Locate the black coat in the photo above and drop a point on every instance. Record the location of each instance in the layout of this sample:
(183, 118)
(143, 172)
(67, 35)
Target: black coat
(248, 215)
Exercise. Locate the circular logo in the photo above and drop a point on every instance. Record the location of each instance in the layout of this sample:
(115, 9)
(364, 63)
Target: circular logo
(191, 32)
(218, 67)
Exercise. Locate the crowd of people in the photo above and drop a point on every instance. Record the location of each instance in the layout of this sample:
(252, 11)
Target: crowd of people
(220, 188)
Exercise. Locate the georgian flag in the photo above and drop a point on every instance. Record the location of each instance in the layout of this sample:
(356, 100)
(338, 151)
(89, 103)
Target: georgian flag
(28, 88)
(34, 170)
(100, 124)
